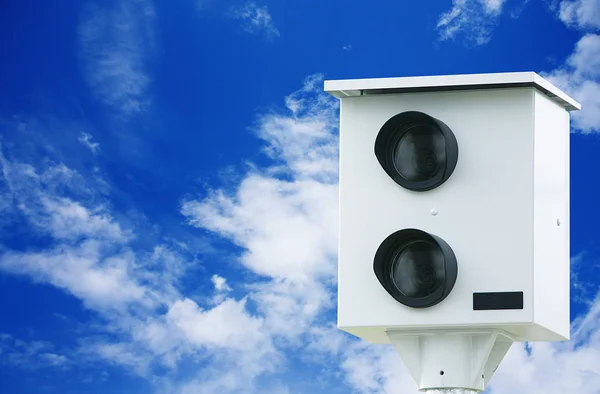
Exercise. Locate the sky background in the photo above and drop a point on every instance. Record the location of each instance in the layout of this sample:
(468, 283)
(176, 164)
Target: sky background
(168, 193)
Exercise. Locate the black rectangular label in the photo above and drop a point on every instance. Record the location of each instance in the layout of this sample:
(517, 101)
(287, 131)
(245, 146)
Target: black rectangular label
(497, 301)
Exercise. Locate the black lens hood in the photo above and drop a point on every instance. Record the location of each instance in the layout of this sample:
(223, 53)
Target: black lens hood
(392, 132)
(394, 244)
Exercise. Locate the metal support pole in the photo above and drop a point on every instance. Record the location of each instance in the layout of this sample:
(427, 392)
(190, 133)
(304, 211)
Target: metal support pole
(459, 361)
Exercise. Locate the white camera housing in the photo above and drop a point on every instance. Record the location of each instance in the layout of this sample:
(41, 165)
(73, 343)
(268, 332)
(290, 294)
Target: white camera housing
(504, 210)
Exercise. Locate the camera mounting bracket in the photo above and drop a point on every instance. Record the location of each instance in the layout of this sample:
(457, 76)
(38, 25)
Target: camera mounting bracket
(451, 361)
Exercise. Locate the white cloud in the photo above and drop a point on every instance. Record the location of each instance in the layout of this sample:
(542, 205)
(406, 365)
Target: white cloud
(202, 5)
(256, 20)
(228, 382)
(220, 283)
(580, 77)
(135, 292)
(37, 196)
(584, 268)
(236, 328)
(493, 6)
(583, 14)
(475, 19)
(288, 228)
(555, 368)
(366, 368)
(585, 60)
(533, 368)
(284, 217)
(87, 140)
(29, 355)
(103, 283)
(69, 219)
(54, 359)
(291, 307)
(235, 342)
(123, 354)
(116, 45)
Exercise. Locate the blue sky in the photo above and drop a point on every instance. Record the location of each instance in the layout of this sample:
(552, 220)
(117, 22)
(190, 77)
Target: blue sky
(168, 193)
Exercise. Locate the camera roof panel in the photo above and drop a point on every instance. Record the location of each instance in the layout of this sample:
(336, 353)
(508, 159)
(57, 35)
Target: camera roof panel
(436, 83)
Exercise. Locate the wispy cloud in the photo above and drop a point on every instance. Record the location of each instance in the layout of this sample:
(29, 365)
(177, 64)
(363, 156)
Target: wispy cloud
(90, 256)
(202, 5)
(256, 20)
(29, 355)
(473, 19)
(88, 141)
(116, 45)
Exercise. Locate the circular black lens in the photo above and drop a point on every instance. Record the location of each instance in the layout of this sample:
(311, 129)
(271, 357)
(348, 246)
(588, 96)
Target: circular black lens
(418, 269)
(420, 153)
(416, 150)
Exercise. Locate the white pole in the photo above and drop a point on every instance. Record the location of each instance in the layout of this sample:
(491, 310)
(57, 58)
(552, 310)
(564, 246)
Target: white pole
(440, 361)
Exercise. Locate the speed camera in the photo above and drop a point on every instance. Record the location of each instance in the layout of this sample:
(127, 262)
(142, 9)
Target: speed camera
(454, 205)
(454, 218)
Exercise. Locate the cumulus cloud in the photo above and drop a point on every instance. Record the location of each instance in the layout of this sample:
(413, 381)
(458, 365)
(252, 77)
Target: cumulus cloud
(256, 20)
(116, 44)
(582, 14)
(475, 19)
(580, 77)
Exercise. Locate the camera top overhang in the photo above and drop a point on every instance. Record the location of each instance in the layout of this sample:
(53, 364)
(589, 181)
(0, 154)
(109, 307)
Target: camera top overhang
(437, 83)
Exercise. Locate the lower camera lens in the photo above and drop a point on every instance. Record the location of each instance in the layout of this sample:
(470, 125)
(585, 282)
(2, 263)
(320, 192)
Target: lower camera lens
(418, 269)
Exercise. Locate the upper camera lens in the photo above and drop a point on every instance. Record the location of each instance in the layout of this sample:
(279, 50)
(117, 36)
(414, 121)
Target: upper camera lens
(417, 151)
(420, 153)
(418, 269)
